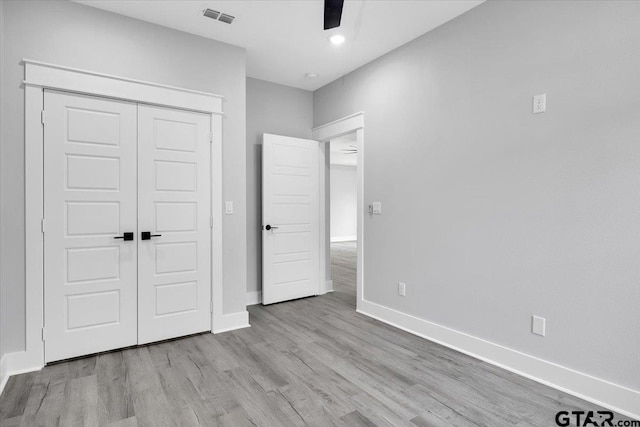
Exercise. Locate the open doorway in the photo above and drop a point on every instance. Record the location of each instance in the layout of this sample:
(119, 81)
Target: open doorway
(347, 135)
(325, 134)
(296, 244)
(343, 213)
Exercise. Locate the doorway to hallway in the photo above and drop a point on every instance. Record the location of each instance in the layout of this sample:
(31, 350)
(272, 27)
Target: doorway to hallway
(343, 214)
(343, 270)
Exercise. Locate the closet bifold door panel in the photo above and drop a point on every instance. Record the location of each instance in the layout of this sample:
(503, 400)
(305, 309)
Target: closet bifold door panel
(174, 234)
(127, 234)
(90, 197)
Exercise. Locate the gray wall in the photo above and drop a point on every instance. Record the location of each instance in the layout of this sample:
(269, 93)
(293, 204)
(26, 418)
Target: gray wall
(79, 36)
(2, 313)
(343, 190)
(277, 109)
(492, 214)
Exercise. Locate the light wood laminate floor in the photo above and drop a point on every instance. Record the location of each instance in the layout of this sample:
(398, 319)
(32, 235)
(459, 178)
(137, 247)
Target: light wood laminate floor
(312, 361)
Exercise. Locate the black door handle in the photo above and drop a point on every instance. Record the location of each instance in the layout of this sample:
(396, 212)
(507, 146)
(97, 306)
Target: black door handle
(125, 236)
(146, 235)
(268, 227)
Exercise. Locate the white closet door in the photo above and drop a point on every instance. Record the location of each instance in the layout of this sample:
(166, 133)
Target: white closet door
(290, 218)
(174, 265)
(90, 199)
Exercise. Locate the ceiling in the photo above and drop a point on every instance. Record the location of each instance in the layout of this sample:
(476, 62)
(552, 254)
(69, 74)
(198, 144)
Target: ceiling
(337, 147)
(284, 39)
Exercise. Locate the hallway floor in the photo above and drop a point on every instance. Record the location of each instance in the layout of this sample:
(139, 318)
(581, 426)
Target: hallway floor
(313, 361)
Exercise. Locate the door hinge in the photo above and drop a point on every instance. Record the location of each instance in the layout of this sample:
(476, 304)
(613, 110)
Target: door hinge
(210, 137)
(210, 222)
(42, 115)
(211, 307)
(43, 334)
(42, 224)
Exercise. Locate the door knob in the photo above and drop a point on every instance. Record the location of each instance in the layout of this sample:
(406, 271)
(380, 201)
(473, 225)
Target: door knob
(268, 227)
(146, 235)
(125, 236)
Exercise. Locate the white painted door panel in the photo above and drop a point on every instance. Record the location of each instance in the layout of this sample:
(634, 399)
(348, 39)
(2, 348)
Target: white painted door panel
(90, 198)
(174, 277)
(290, 205)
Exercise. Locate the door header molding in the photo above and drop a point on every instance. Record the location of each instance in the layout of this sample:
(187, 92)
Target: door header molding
(53, 76)
(336, 128)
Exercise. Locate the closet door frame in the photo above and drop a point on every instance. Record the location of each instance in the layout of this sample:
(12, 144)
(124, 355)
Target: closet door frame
(40, 76)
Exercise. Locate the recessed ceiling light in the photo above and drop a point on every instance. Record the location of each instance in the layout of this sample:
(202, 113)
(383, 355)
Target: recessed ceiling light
(337, 39)
(311, 76)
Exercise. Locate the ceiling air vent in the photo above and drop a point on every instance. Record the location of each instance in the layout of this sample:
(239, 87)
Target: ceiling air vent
(222, 17)
(226, 18)
(210, 13)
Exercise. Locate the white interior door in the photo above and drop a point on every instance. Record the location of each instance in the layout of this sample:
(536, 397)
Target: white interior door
(290, 218)
(174, 186)
(90, 200)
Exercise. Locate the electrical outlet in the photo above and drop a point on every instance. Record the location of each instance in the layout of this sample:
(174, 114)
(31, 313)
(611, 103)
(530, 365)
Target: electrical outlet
(402, 289)
(540, 103)
(538, 325)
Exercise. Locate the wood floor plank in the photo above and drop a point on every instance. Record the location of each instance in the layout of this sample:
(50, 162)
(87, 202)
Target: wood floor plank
(312, 361)
(47, 397)
(17, 391)
(113, 387)
(140, 370)
(355, 418)
(238, 417)
(263, 407)
(11, 422)
(129, 422)
(152, 408)
(80, 405)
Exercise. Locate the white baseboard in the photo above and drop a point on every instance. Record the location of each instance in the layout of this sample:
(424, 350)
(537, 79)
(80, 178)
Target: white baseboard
(230, 322)
(344, 239)
(328, 287)
(595, 390)
(16, 363)
(254, 297)
(4, 374)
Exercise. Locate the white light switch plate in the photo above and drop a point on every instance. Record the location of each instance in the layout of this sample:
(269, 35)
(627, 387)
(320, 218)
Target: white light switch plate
(228, 207)
(376, 208)
(538, 325)
(540, 103)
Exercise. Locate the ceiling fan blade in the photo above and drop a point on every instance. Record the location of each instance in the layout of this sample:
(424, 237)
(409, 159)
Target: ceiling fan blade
(332, 13)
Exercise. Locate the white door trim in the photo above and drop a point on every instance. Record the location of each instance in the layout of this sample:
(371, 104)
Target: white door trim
(40, 76)
(325, 133)
(52, 76)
